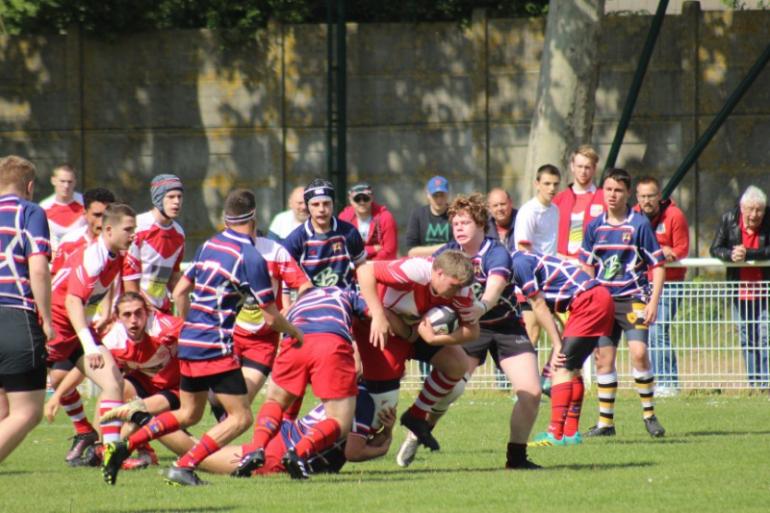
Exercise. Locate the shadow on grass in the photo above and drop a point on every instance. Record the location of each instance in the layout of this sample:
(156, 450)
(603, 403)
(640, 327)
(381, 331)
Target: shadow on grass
(724, 433)
(14, 472)
(652, 441)
(602, 466)
(212, 509)
(577, 466)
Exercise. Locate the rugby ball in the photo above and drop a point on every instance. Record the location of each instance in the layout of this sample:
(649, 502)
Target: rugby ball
(443, 319)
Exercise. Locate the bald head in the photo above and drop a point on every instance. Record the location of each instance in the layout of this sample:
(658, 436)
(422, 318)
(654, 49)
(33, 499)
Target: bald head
(297, 203)
(500, 206)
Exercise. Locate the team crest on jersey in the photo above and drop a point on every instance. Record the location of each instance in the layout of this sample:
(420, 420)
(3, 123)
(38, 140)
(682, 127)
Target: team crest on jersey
(337, 247)
(326, 278)
(626, 238)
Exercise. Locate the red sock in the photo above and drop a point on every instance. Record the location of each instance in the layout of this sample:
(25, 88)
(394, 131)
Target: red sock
(320, 437)
(572, 424)
(292, 412)
(267, 424)
(74, 407)
(199, 452)
(163, 424)
(436, 386)
(560, 397)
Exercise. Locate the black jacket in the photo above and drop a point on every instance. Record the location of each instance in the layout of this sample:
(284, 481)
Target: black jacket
(729, 235)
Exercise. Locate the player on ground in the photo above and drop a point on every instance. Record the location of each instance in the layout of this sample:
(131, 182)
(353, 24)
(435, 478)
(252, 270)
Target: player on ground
(327, 249)
(408, 288)
(152, 263)
(96, 202)
(326, 361)
(619, 247)
(64, 208)
(554, 284)
(502, 331)
(85, 281)
(226, 270)
(25, 301)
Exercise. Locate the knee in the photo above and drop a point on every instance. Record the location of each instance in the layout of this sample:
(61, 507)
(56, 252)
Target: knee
(244, 419)
(529, 396)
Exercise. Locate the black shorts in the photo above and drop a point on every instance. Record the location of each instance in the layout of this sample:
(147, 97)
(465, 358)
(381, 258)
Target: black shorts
(230, 382)
(171, 397)
(424, 352)
(70, 362)
(22, 346)
(577, 350)
(251, 364)
(629, 319)
(34, 379)
(499, 345)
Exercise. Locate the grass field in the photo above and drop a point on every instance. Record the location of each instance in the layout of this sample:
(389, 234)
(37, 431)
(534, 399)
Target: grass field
(715, 457)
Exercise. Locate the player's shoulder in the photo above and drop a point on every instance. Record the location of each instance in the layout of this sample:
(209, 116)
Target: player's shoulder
(73, 236)
(47, 203)
(345, 228)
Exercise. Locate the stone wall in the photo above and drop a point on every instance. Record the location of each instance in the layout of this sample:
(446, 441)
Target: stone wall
(422, 99)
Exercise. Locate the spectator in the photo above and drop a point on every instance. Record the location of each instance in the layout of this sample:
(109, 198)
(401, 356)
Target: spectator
(672, 232)
(743, 235)
(579, 203)
(428, 227)
(538, 219)
(285, 222)
(537, 225)
(64, 208)
(374, 222)
(502, 217)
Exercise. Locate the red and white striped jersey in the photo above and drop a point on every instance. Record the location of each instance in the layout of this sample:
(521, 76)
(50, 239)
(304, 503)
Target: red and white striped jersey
(63, 217)
(404, 288)
(155, 254)
(68, 246)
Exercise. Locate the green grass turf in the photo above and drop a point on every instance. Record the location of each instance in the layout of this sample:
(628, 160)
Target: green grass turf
(715, 457)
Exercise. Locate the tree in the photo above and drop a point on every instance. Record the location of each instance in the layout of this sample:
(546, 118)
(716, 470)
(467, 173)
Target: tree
(569, 68)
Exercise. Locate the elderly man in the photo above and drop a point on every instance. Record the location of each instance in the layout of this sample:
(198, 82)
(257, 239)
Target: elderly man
(502, 217)
(285, 222)
(744, 235)
(672, 232)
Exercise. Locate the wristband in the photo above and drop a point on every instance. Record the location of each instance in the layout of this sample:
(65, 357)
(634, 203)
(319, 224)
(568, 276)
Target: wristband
(87, 341)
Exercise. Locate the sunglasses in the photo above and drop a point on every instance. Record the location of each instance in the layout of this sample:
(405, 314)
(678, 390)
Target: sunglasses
(362, 198)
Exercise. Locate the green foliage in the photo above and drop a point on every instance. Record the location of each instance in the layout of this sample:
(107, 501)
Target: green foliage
(109, 17)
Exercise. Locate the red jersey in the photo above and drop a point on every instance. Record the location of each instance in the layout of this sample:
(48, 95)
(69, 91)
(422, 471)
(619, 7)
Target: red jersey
(671, 230)
(63, 217)
(68, 246)
(88, 274)
(151, 361)
(284, 271)
(155, 254)
(404, 288)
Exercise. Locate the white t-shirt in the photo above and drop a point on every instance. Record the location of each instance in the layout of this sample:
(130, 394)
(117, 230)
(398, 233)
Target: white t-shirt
(284, 223)
(538, 225)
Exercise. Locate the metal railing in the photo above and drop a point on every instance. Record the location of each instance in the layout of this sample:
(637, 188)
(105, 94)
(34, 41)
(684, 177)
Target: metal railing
(718, 337)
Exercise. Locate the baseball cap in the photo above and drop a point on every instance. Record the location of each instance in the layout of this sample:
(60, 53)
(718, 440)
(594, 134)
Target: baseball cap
(360, 188)
(437, 184)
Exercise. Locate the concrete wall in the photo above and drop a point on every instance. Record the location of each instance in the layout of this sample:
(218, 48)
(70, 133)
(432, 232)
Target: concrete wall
(423, 99)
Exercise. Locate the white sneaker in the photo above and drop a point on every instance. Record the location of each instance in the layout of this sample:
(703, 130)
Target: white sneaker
(408, 449)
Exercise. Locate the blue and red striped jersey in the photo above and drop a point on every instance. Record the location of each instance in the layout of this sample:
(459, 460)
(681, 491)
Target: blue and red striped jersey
(492, 259)
(23, 233)
(330, 258)
(226, 270)
(559, 280)
(327, 310)
(621, 254)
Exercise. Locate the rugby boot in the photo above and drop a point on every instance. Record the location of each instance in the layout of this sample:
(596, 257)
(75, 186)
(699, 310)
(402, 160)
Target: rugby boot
(654, 427)
(250, 462)
(178, 476)
(80, 443)
(421, 429)
(408, 450)
(294, 465)
(115, 454)
(601, 431)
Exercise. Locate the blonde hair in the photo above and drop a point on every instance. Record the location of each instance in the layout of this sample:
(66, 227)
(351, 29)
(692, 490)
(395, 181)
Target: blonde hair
(586, 151)
(456, 264)
(16, 171)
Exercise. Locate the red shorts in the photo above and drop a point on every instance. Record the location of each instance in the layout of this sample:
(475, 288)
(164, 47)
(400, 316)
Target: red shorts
(591, 314)
(202, 368)
(65, 343)
(324, 360)
(385, 365)
(257, 347)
